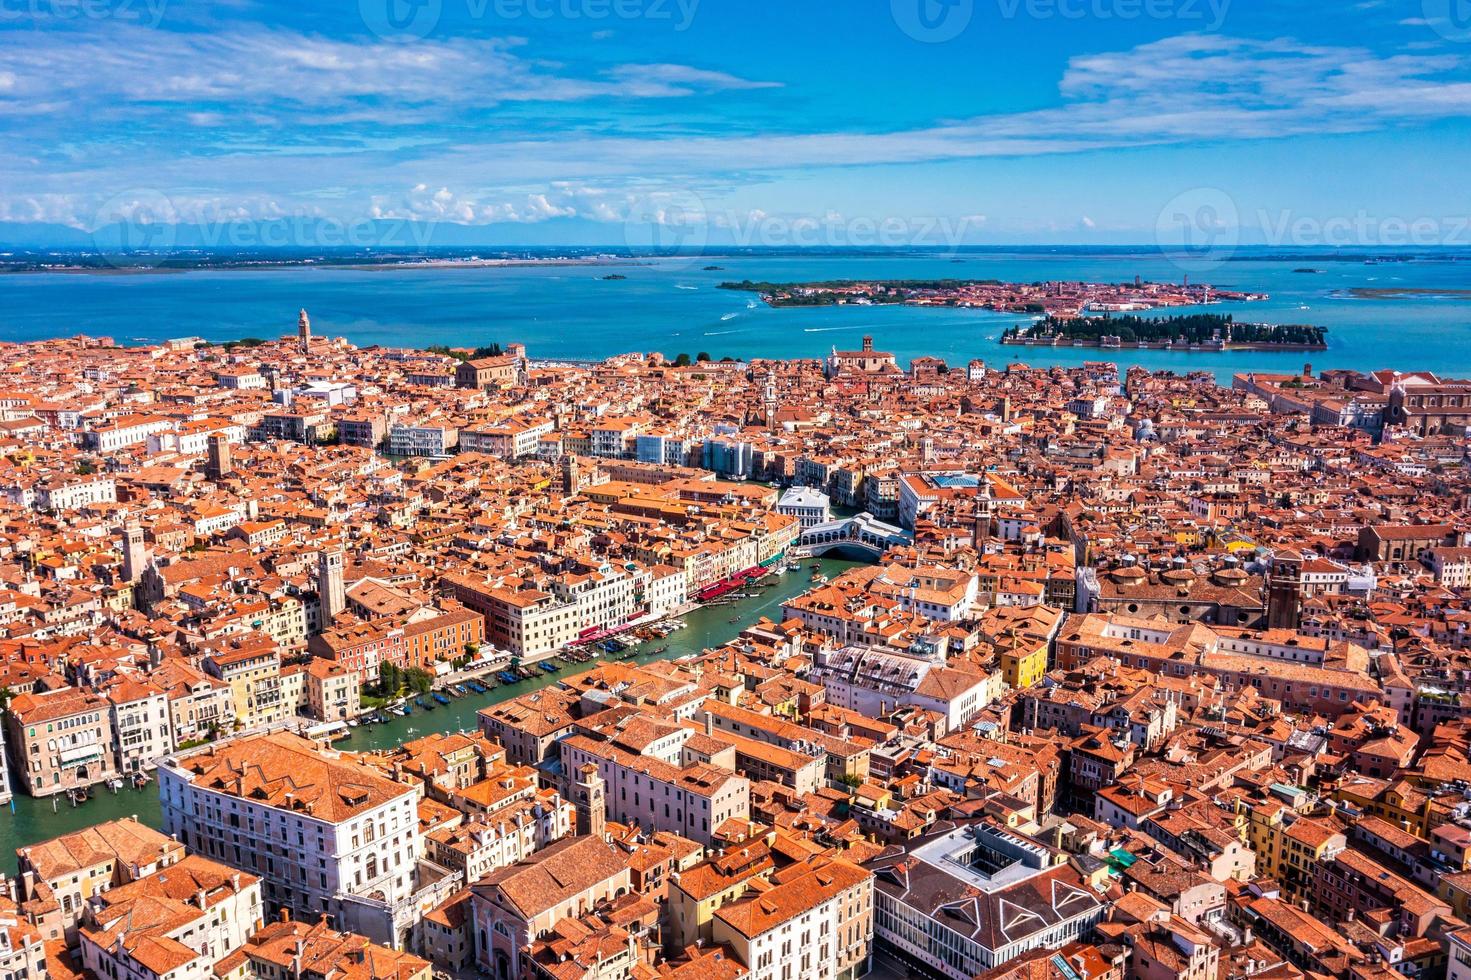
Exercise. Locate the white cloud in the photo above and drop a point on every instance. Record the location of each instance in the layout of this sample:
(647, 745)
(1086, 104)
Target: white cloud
(394, 117)
(128, 64)
(662, 80)
(559, 200)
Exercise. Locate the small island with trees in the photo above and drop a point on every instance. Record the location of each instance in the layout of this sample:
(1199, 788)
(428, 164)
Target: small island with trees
(1193, 332)
(466, 353)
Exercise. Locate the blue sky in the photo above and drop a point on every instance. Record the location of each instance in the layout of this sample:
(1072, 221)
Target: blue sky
(819, 122)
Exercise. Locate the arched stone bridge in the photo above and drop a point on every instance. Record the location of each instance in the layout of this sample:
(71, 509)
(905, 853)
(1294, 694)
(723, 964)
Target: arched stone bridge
(862, 534)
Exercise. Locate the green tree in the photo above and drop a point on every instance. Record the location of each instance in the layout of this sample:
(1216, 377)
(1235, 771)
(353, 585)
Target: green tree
(390, 680)
(461, 354)
(683, 360)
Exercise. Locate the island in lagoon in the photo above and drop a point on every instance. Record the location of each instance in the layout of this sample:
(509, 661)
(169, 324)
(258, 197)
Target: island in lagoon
(1407, 292)
(1193, 332)
(1047, 298)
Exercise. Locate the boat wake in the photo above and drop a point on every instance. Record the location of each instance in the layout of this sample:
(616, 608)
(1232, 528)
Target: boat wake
(730, 316)
(681, 286)
(823, 329)
(720, 333)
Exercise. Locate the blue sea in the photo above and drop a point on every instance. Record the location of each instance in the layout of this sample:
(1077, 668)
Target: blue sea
(674, 305)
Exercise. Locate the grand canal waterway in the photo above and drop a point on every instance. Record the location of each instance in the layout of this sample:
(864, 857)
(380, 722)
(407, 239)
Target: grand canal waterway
(33, 819)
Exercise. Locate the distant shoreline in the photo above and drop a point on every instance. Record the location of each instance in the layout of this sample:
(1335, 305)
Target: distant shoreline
(1405, 292)
(93, 260)
(353, 266)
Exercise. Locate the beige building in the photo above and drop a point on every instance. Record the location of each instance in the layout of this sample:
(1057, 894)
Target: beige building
(251, 665)
(175, 924)
(695, 894)
(319, 827)
(198, 703)
(142, 726)
(22, 946)
(61, 740)
(62, 874)
(816, 922)
(331, 691)
(692, 801)
(287, 950)
(515, 906)
(529, 726)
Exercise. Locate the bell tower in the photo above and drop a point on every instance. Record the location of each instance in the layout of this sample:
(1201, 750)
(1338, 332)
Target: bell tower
(980, 531)
(587, 800)
(571, 475)
(330, 584)
(135, 557)
(304, 332)
(219, 465)
(1284, 591)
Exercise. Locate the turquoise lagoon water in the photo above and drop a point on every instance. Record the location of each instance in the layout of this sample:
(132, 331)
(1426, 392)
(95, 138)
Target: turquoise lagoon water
(674, 306)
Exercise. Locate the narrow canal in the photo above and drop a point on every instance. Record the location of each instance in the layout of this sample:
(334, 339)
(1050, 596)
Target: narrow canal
(31, 820)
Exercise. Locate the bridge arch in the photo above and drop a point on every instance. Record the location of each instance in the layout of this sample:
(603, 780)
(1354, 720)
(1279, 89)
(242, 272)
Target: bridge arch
(863, 535)
(847, 549)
